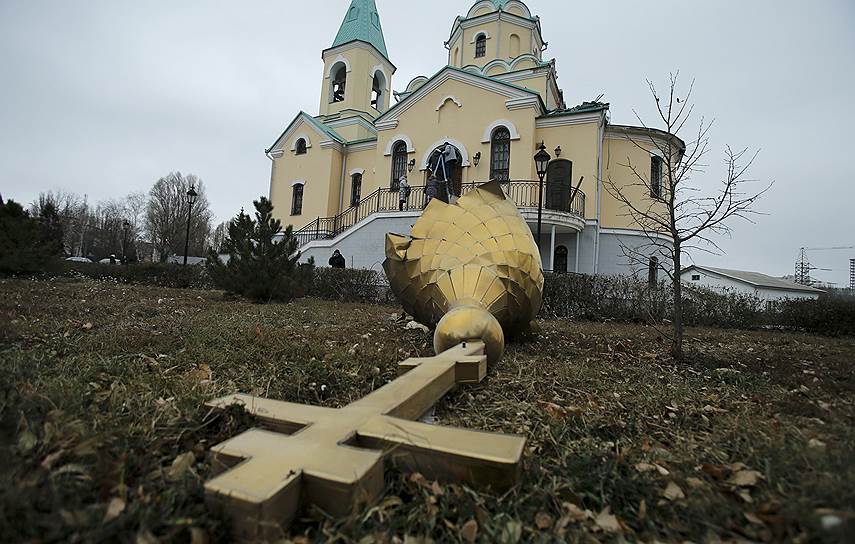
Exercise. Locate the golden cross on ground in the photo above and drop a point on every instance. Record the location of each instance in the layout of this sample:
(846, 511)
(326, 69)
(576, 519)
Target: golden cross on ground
(333, 458)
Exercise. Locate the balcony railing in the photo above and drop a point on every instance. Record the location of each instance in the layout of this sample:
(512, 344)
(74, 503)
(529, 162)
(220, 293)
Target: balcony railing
(523, 192)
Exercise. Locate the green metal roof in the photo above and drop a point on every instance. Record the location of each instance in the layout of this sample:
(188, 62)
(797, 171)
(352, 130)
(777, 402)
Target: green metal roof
(362, 23)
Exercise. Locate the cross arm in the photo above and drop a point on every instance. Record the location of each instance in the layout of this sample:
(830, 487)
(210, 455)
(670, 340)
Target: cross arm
(285, 417)
(476, 457)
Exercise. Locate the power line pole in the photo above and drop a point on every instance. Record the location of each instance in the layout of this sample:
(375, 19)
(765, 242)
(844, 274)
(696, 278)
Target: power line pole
(852, 274)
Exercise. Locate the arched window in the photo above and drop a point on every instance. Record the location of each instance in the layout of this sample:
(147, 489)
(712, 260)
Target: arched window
(300, 147)
(515, 46)
(500, 154)
(399, 164)
(297, 199)
(653, 271)
(339, 80)
(355, 189)
(377, 87)
(559, 260)
(480, 46)
(656, 176)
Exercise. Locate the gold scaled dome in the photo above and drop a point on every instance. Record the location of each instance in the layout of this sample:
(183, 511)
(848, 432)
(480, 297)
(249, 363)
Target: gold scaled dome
(470, 268)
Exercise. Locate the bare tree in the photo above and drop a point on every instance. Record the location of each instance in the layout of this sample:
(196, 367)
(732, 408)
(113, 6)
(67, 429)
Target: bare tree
(166, 215)
(680, 215)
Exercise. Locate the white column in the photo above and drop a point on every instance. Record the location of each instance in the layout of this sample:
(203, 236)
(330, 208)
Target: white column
(552, 251)
(578, 234)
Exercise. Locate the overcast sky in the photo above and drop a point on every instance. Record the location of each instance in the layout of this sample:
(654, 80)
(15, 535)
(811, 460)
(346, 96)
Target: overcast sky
(103, 97)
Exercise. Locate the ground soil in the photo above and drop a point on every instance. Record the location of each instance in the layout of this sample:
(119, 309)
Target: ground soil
(104, 435)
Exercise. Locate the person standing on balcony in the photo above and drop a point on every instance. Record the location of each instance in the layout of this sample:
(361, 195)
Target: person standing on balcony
(403, 193)
(337, 260)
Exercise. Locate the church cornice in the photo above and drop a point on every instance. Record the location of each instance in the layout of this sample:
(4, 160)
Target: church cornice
(517, 97)
(354, 44)
(461, 24)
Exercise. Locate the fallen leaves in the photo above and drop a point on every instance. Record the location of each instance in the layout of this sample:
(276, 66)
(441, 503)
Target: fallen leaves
(543, 520)
(469, 531)
(556, 411)
(180, 466)
(115, 507)
(608, 522)
(673, 492)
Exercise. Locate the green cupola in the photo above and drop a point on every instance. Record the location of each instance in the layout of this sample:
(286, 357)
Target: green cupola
(362, 23)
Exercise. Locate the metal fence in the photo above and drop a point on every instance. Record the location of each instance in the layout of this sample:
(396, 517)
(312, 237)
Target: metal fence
(523, 192)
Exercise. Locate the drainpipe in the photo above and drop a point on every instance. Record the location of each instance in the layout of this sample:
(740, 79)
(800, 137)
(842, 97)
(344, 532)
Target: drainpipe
(341, 189)
(602, 133)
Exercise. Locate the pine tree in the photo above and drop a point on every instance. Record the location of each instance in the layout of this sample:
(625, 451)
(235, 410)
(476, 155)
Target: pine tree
(259, 267)
(27, 244)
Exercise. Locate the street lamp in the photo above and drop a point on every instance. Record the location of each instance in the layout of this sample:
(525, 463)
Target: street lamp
(191, 199)
(541, 161)
(411, 165)
(477, 159)
(125, 227)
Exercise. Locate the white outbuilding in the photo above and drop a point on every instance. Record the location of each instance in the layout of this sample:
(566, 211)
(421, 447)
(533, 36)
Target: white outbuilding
(764, 287)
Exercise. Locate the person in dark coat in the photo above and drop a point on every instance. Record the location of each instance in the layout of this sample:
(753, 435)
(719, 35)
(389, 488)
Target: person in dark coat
(337, 260)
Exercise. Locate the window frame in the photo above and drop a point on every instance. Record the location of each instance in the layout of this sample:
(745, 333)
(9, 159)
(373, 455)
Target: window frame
(480, 46)
(301, 147)
(297, 192)
(355, 189)
(656, 173)
(399, 164)
(500, 150)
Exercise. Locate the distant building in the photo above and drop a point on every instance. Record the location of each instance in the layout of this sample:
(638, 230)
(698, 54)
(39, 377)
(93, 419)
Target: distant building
(179, 259)
(759, 285)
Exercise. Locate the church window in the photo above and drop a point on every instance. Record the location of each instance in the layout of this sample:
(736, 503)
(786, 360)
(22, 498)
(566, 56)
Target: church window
(515, 46)
(377, 87)
(339, 80)
(559, 265)
(297, 200)
(355, 189)
(399, 164)
(656, 176)
(653, 271)
(300, 147)
(480, 46)
(500, 154)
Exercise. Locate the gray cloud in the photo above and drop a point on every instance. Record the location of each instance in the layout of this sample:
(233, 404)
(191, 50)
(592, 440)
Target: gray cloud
(103, 97)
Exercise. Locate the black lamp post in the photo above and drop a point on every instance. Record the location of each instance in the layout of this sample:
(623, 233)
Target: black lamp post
(541, 161)
(125, 227)
(191, 199)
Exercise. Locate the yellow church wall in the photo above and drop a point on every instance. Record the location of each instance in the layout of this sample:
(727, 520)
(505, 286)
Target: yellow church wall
(500, 44)
(320, 169)
(617, 154)
(578, 144)
(363, 160)
(466, 124)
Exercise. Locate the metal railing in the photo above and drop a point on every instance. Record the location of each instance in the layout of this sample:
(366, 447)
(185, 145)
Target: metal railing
(523, 192)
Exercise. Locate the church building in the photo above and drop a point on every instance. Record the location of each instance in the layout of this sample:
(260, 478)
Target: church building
(483, 116)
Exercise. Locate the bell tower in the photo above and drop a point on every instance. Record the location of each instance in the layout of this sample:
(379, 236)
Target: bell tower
(357, 72)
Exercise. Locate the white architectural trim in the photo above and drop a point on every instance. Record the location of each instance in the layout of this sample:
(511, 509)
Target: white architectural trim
(635, 232)
(446, 99)
(362, 146)
(399, 138)
(333, 64)
(571, 119)
(379, 68)
(414, 214)
(415, 83)
(488, 132)
(479, 33)
(355, 171)
(298, 182)
(464, 154)
(519, 98)
(304, 136)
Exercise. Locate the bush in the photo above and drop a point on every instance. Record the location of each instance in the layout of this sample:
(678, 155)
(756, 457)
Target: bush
(622, 298)
(159, 274)
(828, 315)
(351, 285)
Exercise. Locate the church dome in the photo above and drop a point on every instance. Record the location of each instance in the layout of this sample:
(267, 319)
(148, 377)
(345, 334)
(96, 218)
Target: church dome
(483, 7)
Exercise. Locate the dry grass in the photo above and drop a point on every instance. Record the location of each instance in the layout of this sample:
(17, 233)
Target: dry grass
(103, 388)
